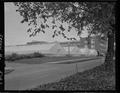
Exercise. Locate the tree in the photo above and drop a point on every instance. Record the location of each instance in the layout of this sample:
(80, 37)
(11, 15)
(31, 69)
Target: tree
(100, 15)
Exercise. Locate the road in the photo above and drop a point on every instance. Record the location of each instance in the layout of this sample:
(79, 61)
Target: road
(27, 76)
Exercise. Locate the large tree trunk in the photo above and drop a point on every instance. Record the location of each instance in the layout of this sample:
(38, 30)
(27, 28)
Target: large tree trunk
(110, 52)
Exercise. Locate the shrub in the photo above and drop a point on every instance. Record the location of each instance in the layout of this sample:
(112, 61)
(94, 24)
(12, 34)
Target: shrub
(37, 54)
(68, 55)
(15, 56)
(12, 57)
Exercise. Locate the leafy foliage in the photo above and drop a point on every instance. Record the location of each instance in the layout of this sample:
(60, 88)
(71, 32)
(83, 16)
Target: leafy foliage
(78, 14)
(37, 54)
(15, 56)
(12, 57)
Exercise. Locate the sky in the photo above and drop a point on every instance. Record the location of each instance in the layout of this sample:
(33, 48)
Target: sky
(16, 32)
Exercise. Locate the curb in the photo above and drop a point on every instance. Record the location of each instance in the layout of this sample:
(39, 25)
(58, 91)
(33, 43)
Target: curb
(71, 61)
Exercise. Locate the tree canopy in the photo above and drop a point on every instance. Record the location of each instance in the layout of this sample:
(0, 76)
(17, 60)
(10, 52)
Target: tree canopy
(100, 16)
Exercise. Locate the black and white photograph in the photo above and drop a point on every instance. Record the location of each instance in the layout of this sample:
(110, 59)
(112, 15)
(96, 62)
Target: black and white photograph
(63, 46)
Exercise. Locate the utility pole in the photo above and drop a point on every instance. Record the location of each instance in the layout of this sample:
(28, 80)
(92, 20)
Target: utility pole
(76, 68)
(68, 48)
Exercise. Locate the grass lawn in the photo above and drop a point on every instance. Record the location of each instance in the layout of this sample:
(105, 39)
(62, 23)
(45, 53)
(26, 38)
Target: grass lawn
(94, 79)
(47, 59)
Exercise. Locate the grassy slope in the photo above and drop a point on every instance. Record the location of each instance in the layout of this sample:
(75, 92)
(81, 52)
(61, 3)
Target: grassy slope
(94, 79)
(45, 59)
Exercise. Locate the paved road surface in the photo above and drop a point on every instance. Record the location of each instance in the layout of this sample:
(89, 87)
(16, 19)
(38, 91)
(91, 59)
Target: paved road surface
(28, 76)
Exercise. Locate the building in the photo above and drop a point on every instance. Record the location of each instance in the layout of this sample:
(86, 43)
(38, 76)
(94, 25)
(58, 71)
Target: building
(90, 46)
